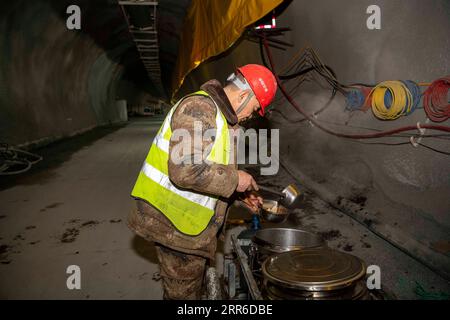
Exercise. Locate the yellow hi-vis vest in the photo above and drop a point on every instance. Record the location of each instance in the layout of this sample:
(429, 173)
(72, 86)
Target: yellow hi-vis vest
(189, 211)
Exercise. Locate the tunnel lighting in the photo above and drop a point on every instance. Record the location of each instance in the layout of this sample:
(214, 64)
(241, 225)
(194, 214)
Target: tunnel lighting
(268, 26)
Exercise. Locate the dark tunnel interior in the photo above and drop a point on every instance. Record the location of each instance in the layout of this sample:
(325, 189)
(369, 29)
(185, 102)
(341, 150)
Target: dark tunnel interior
(358, 130)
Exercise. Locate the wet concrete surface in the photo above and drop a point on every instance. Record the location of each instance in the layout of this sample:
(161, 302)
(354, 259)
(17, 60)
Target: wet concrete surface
(71, 209)
(55, 155)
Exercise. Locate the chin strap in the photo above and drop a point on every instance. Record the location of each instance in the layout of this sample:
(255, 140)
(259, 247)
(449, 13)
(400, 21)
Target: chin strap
(242, 85)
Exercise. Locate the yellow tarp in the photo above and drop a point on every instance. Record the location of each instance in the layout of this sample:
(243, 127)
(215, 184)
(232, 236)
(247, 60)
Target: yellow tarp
(211, 27)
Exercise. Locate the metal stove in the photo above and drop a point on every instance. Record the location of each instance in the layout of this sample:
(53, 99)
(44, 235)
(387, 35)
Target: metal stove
(272, 271)
(314, 274)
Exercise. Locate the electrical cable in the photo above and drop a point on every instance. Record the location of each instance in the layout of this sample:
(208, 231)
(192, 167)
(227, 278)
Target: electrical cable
(294, 74)
(299, 73)
(355, 99)
(306, 60)
(415, 93)
(435, 100)
(315, 113)
(390, 100)
(309, 61)
(405, 100)
(403, 143)
(400, 135)
(416, 97)
(342, 135)
(434, 149)
(308, 56)
(288, 66)
(358, 98)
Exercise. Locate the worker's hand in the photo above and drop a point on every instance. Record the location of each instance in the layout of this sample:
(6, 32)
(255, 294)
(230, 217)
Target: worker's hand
(246, 182)
(253, 201)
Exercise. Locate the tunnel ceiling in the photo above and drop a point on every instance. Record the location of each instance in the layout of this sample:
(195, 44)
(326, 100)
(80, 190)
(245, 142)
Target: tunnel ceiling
(170, 24)
(170, 17)
(103, 20)
(112, 29)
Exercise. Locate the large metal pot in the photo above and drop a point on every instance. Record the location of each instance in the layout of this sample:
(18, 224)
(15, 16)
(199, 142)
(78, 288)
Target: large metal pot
(316, 274)
(276, 240)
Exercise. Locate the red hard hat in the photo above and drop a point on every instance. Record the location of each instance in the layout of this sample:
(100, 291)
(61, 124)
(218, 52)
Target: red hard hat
(263, 83)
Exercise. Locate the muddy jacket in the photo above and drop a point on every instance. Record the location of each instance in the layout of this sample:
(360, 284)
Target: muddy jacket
(209, 178)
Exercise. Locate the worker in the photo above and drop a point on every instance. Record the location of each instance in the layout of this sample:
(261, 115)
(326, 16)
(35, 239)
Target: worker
(181, 207)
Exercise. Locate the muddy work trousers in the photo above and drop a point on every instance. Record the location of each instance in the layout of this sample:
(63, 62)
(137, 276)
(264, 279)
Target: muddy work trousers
(182, 274)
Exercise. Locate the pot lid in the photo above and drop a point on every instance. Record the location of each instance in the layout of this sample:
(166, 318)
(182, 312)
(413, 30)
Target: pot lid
(321, 269)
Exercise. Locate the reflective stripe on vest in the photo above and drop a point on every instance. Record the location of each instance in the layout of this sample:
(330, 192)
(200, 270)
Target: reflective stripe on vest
(190, 212)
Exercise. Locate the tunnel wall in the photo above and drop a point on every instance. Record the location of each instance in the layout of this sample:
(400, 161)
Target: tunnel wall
(54, 82)
(400, 192)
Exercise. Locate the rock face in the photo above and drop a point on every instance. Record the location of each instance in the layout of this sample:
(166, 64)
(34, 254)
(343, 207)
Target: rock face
(56, 82)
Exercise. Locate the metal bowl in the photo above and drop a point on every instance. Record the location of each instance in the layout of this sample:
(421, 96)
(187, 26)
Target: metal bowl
(272, 211)
(277, 240)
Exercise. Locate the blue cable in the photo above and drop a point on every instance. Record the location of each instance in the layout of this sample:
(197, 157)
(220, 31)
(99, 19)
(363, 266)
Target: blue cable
(415, 93)
(355, 99)
(388, 99)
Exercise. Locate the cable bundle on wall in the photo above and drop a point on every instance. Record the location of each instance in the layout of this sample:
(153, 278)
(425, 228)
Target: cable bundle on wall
(391, 100)
(415, 92)
(388, 100)
(305, 64)
(339, 134)
(358, 98)
(435, 100)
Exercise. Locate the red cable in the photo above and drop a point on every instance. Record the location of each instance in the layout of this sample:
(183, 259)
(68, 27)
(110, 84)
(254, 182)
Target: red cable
(343, 135)
(435, 100)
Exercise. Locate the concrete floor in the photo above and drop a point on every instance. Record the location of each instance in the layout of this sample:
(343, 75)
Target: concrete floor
(70, 209)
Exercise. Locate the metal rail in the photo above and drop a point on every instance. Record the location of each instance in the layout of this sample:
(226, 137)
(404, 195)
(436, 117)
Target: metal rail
(146, 40)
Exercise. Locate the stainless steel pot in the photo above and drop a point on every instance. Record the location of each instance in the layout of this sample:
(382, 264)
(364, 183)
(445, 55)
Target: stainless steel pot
(288, 197)
(276, 240)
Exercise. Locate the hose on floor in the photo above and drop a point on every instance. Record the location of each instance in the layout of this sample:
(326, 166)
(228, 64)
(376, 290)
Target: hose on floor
(15, 161)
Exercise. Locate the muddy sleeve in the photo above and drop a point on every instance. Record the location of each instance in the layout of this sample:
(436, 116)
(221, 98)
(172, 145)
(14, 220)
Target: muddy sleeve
(187, 166)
